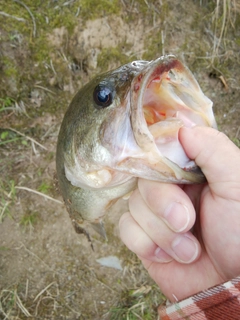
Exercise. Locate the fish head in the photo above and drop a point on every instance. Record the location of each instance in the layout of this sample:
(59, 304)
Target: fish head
(97, 121)
(128, 125)
(124, 125)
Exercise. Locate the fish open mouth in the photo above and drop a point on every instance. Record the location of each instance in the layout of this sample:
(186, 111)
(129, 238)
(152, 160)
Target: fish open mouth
(166, 97)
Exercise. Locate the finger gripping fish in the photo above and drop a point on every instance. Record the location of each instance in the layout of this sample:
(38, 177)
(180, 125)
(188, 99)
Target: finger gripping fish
(124, 125)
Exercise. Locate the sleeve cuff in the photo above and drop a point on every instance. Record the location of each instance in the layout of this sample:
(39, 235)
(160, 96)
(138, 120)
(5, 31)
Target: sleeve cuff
(217, 303)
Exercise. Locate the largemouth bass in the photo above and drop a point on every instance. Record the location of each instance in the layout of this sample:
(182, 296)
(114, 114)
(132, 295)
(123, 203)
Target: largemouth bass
(124, 125)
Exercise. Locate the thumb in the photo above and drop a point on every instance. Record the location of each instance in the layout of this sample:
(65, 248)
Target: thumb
(214, 153)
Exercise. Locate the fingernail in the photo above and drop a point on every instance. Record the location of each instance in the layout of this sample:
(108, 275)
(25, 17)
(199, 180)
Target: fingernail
(177, 216)
(162, 256)
(185, 248)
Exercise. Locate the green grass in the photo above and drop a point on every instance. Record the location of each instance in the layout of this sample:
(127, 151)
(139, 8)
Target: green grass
(93, 9)
(9, 300)
(29, 219)
(5, 103)
(8, 136)
(112, 55)
(45, 187)
(236, 141)
(137, 304)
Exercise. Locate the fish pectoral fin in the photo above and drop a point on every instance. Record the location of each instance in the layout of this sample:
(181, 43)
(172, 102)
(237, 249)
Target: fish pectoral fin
(99, 228)
(80, 230)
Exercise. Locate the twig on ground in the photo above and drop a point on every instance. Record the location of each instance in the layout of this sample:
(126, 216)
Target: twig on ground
(38, 193)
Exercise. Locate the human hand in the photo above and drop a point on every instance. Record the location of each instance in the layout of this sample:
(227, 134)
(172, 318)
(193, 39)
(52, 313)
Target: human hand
(188, 237)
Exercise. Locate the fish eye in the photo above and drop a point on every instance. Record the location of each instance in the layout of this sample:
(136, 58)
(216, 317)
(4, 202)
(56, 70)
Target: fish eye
(103, 96)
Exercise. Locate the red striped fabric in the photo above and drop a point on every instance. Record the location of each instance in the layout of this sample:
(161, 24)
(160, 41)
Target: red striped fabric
(217, 303)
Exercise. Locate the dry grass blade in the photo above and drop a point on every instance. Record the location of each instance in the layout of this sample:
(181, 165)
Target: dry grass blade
(95, 276)
(38, 193)
(3, 210)
(137, 305)
(43, 88)
(137, 315)
(21, 306)
(32, 16)
(223, 16)
(26, 292)
(233, 9)
(28, 138)
(41, 292)
(10, 16)
(3, 300)
(11, 297)
(34, 255)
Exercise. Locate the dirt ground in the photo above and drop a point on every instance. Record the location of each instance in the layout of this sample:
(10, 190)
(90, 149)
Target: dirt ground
(48, 50)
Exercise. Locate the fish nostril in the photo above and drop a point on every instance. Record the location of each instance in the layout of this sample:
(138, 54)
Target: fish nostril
(124, 77)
